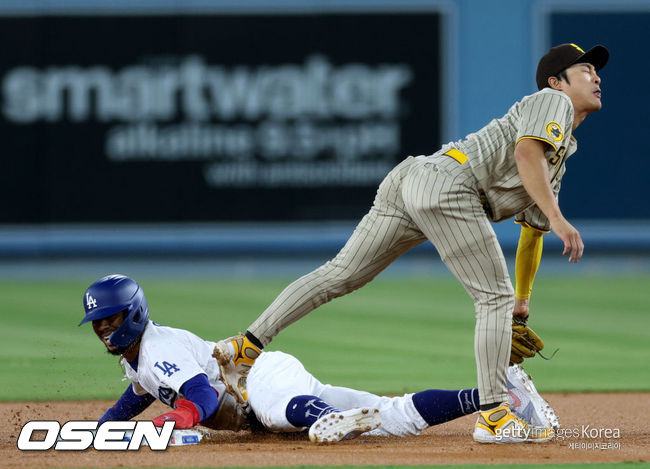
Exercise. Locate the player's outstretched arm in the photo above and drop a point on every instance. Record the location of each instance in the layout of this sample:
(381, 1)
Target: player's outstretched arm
(128, 406)
(533, 170)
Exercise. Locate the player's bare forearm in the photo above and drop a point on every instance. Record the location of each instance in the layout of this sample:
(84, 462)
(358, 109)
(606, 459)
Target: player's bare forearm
(533, 170)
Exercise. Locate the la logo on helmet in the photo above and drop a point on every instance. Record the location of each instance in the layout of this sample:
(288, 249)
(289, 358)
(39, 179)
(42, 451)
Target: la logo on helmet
(90, 301)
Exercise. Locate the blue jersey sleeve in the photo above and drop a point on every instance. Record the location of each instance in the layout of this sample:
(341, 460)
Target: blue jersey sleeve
(128, 406)
(204, 396)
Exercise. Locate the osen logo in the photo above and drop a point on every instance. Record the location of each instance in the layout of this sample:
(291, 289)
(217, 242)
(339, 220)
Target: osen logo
(78, 435)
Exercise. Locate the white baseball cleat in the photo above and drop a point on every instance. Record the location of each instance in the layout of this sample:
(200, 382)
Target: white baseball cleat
(526, 402)
(338, 426)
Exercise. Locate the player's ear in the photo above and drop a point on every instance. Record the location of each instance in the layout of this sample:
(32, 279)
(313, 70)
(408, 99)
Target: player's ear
(555, 83)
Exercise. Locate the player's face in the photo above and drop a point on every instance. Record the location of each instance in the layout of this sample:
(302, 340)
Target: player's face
(583, 88)
(105, 327)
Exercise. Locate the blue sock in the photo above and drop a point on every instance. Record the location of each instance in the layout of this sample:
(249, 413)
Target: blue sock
(439, 406)
(303, 411)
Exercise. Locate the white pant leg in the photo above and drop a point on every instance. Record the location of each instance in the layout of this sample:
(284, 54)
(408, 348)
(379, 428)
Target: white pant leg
(277, 377)
(273, 381)
(399, 417)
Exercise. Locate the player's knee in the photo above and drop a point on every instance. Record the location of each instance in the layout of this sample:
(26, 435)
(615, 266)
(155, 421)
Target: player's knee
(341, 279)
(501, 303)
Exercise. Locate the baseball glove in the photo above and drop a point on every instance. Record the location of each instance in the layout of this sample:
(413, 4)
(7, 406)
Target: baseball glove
(525, 343)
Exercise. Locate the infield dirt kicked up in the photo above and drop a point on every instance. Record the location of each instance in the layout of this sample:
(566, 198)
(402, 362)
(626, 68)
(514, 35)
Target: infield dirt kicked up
(596, 427)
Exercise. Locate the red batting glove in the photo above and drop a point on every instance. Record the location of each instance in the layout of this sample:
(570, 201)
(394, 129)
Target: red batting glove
(186, 415)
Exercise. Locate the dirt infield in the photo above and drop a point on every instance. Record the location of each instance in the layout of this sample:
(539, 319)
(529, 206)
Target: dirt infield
(596, 428)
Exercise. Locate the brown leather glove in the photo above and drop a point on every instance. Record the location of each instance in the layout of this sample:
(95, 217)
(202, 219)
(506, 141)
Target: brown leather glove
(525, 342)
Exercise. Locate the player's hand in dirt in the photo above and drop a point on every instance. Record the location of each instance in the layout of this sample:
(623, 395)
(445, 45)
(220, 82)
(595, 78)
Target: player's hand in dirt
(186, 415)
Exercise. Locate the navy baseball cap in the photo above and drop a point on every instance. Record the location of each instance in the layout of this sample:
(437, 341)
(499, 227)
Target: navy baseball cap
(565, 55)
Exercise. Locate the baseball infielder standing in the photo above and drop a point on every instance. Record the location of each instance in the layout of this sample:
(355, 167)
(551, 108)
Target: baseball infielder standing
(511, 167)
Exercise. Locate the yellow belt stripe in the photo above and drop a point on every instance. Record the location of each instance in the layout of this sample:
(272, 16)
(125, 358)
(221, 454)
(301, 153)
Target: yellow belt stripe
(457, 155)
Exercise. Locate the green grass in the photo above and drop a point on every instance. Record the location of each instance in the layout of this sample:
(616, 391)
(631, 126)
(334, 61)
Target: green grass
(391, 336)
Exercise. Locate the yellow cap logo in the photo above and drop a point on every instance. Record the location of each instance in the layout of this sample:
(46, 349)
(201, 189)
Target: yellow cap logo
(578, 47)
(554, 131)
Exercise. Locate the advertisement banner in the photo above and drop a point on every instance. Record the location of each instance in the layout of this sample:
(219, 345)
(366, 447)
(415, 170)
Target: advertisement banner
(211, 118)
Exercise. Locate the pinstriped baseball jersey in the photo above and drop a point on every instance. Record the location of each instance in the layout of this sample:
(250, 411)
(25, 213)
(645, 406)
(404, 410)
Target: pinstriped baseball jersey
(547, 116)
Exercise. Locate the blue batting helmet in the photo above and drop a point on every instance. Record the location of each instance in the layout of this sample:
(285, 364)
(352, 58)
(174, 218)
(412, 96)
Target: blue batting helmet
(112, 294)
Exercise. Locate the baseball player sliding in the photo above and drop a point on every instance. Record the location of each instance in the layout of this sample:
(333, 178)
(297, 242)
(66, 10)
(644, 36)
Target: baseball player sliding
(511, 167)
(179, 369)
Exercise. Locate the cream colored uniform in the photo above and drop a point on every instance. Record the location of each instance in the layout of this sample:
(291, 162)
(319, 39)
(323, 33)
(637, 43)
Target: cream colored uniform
(449, 198)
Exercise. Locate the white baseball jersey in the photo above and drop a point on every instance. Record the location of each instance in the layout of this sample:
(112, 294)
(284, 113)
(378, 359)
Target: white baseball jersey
(169, 357)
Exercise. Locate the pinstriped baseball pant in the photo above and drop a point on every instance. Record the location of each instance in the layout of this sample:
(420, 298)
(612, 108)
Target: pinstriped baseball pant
(435, 198)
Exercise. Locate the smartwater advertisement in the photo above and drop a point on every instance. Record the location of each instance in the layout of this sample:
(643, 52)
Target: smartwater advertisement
(212, 118)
